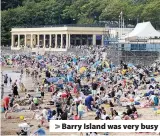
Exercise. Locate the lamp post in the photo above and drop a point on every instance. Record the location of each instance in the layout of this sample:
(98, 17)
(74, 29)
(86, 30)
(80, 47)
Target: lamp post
(123, 25)
(137, 19)
(121, 22)
(121, 29)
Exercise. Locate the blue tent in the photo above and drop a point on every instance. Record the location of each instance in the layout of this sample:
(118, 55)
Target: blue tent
(130, 65)
(96, 63)
(70, 78)
(152, 79)
(52, 79)
(39, 57)
(66, 66)
(113, 66)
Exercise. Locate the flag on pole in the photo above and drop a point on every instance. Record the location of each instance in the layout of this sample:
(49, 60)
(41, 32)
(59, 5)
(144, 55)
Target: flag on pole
(121, 13)
(123, 22)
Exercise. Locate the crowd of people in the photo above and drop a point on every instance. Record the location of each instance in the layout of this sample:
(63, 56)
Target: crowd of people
(79, 84)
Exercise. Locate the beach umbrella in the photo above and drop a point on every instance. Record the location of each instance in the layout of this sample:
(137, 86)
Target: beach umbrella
(66, 66)
(113, 66)
(62, 78)
(16, 57)
(83, 64)
(83, 58)
(105, 63)
(96, 64)
(82, 69)
(39, 57)
(74, 60)
(107, 70)
(43, 65)
(41, 61)
(52, 79)
(123, 72)
(130, 65)
(152, 79)
(60, 81)
(69, 78)
(7, 56)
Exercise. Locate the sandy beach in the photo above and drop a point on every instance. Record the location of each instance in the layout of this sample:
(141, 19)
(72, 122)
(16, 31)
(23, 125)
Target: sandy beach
(10, 126)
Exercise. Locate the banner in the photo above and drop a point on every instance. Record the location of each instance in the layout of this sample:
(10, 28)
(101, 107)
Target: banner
(105, 126)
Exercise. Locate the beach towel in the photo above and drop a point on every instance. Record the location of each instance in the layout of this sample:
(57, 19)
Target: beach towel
(40, 132)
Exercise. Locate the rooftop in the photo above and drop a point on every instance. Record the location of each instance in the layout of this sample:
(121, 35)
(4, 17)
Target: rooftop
(72, 25)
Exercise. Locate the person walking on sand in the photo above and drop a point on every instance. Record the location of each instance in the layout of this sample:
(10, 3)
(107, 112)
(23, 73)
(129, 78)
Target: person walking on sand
(42, 92)
(81, 109)
(5, 79)
(2, 91)
(15, 90)
(88, 102)
(10, 80)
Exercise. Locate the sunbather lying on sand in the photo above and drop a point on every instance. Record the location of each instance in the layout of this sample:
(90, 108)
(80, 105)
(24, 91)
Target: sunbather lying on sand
(15, 108)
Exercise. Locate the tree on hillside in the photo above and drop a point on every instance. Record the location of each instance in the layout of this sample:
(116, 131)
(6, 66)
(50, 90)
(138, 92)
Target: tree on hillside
(7, 4)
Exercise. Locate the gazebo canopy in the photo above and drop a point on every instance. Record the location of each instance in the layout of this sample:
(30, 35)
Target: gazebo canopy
(142, 31)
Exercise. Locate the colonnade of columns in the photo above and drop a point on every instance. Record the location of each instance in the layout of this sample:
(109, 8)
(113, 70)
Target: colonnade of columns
(32, 38)
(88, 39)
(58, 41)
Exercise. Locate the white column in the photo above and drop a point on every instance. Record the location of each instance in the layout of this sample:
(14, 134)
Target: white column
(44, 41)
(50, 41)
(69, 43)
(94, 39)
(61, 40)
(25, 40)
(66, 41)
(18, 40)
(12, 41)
(81, 41)
(38, 39)
(87, 41)
(55, 41)
(102, 42)
(31, 41)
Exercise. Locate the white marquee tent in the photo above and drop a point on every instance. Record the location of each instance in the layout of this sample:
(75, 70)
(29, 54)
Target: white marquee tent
(143, 30)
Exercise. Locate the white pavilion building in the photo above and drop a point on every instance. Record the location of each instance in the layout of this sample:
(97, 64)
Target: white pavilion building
(59, 38)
